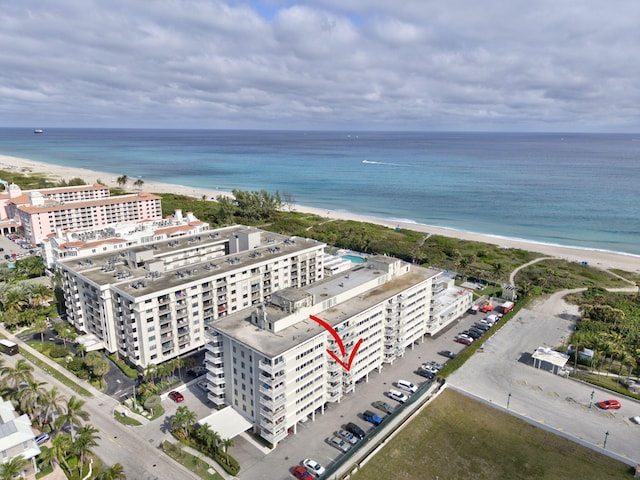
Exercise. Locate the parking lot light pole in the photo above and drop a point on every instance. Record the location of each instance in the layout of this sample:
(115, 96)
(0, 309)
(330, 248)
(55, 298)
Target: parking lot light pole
(508, 399)
(606, 435)
(591, 401)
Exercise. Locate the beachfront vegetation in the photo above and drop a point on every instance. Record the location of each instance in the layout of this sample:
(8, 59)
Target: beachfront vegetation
(31, 180)
(610, 326)
(457, 437)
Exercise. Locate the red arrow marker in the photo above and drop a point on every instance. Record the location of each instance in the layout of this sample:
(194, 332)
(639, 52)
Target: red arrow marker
(329, 328)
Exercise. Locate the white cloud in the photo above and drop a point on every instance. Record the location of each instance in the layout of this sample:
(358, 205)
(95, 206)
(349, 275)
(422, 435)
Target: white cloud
(416, 64)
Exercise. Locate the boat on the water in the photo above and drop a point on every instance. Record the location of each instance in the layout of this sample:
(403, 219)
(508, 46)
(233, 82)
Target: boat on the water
(38, 130)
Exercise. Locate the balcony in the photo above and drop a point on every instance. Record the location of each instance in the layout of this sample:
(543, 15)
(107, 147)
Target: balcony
(272, 390)
(273, 404)
(215, 370)
(271, 369)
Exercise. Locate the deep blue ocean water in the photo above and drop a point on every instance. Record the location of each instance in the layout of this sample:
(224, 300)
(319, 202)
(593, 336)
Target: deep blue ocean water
(568, 189)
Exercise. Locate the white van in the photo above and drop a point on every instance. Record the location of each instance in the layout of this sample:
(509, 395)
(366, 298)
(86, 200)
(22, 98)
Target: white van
(407, 385)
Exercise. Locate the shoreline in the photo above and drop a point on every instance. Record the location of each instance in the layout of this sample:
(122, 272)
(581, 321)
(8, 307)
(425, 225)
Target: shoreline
(603, 259)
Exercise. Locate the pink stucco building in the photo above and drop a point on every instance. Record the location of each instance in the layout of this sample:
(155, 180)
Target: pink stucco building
(38, 213)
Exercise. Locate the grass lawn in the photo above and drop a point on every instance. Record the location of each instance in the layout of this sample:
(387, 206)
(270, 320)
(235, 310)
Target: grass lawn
(456, 438)
(193, 463)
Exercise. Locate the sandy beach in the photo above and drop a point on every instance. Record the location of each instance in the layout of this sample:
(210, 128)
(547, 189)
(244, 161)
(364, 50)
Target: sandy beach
(596, 258)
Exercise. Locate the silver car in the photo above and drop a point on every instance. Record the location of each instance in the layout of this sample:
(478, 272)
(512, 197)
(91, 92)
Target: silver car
(339, 443)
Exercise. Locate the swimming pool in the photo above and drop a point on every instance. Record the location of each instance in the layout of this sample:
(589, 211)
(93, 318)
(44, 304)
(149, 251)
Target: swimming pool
(354, 258)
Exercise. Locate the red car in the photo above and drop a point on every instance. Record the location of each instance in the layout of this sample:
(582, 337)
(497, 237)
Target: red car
(176, 396)
(609, 404)
(301, 473)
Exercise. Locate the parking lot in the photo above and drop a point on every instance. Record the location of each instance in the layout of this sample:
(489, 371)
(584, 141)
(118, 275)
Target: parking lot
(16, 249)
(499, 375)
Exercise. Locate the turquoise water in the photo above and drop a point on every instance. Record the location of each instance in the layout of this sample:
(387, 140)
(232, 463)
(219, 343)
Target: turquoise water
(569, 189)
(354, 258)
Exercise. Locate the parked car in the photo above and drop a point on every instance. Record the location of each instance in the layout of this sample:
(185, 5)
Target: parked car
(384, 406)
(447, 353)
(398, 396)
(314, 467)
(429, 368)
(372, 417)
(42, 438)
(636, 419)
(355, 429)
(471, 334)
(609, 404)
(348, 436)
(176, 396)
(485, 327)
(339, 443)
(436, 365)
(428, 375)
(477, 331)
(301, 473)
(407, 385)
(463, 339)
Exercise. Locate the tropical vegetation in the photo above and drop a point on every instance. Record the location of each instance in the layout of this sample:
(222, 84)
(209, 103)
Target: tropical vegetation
(73, 439)
(204, 439)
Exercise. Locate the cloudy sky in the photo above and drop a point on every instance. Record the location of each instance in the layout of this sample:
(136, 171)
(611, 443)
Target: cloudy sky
(495, 65)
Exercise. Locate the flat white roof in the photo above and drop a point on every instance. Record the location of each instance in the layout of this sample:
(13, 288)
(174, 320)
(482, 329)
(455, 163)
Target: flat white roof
(227, 422)
(545, 354)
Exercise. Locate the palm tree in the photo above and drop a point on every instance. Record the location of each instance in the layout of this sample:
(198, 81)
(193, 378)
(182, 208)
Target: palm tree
(114, 472)
(138, 184)
(15, 376)
(15, 300)
(184, 419)
(39, 294)
(72, 415)
(122, 181)
(61, 446)
(29, 397)
(40, 326)
(51, 405)
(86, 439)
(13, 467)
(226, 444)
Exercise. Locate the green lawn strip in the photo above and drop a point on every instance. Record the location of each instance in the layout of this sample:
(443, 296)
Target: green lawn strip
(125, 420)
(457, 437)
(55, 374)
(126, 369)
(193, 463)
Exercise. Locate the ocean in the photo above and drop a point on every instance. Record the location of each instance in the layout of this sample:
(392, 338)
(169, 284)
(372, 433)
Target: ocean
(579, 190)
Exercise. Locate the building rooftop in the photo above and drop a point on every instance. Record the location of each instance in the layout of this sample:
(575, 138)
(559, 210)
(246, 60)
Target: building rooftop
(272, 344)
(193, 258)
(88, 203)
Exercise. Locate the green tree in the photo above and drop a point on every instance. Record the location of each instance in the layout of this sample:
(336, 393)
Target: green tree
(138, 184)
(29, 397)
(72, 415)
(183, 419)
(39, 294)
(61, 447)
(114, 472)
(122, 180)
(12, 467)
(52, 405)
(40, 326)
(86, 439)
(22, 372)
(226, 209)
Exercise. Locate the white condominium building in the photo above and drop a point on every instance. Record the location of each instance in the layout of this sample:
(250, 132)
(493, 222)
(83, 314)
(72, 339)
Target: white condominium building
(17, 438)
(150, 302)
(271, 363)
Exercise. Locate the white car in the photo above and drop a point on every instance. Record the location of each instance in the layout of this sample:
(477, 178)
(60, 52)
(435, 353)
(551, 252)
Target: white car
(313, 467)
(636, 419)
(407, 385)
(398, 396)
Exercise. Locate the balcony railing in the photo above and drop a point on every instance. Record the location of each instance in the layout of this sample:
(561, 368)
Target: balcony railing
(272, 369)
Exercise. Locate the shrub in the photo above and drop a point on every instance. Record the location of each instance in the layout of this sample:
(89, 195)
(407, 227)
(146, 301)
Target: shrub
(58, 351)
